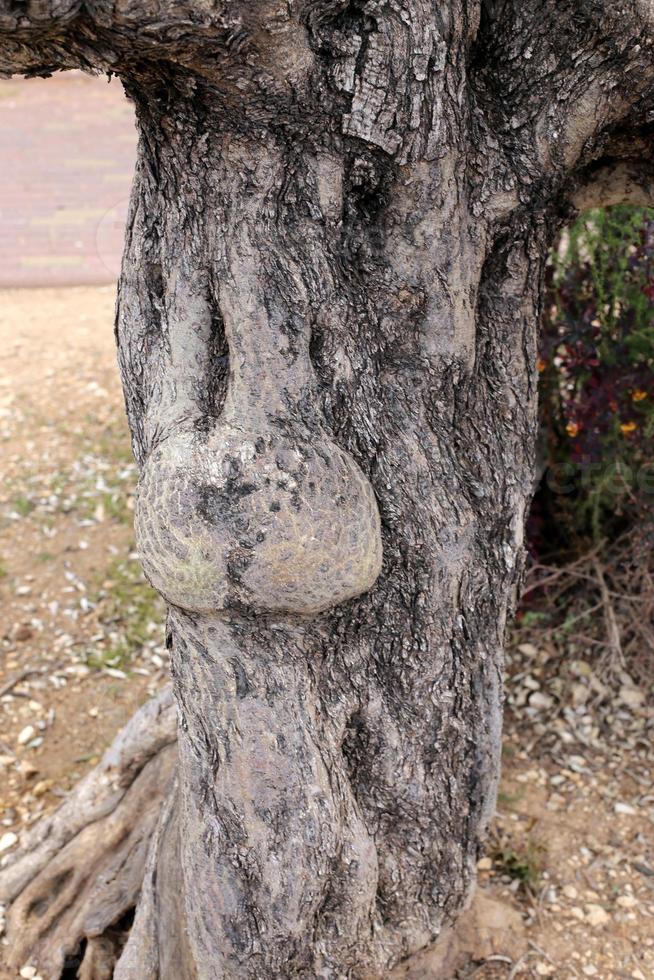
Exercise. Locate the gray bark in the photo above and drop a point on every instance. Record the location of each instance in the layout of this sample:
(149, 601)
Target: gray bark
(326, 329)
(80, 870)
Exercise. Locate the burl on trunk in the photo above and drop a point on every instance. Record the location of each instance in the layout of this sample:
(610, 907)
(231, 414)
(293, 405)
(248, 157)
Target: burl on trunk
(326, 329)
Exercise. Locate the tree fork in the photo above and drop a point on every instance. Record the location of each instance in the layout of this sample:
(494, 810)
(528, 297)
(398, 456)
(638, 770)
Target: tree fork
(326, 330)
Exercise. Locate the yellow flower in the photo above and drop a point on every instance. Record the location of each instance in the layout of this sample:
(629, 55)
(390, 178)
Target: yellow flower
(627, 428)
(639, 395)
(572, 429)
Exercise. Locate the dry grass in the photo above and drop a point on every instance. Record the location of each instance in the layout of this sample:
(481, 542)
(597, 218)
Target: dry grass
(602, 604)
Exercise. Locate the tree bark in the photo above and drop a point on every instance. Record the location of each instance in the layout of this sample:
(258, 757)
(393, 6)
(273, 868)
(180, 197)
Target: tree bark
(326, 329)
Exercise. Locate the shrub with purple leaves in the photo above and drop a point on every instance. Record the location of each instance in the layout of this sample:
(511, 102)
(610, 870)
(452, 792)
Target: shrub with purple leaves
(597, 381)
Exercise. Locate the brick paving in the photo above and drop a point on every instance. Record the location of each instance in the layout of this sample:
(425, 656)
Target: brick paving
(67, 150)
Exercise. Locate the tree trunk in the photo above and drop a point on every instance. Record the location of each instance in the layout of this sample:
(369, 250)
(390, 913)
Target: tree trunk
(326, 328)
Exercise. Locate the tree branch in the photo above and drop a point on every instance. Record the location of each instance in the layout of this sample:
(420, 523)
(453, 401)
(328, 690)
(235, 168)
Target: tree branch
(42, 36)
(553, 77)
(617, 182)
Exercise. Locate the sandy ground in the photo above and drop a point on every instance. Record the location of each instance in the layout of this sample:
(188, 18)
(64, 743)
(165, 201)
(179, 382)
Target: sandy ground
(569, 873)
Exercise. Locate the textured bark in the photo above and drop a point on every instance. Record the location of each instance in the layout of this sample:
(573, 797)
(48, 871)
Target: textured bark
(326, 328)
(80, 871)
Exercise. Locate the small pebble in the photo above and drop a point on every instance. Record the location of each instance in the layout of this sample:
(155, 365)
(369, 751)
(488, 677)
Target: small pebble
(596, 915)
(26, 734)
(8, 840)
(625, 809)
(540, 700)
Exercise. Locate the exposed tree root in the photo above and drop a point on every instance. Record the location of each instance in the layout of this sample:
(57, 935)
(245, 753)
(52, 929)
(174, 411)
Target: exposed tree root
(96, 891)
(74, 884)
(157, 946)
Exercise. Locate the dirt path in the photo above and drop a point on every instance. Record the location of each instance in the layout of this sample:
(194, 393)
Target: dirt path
(571, 858)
